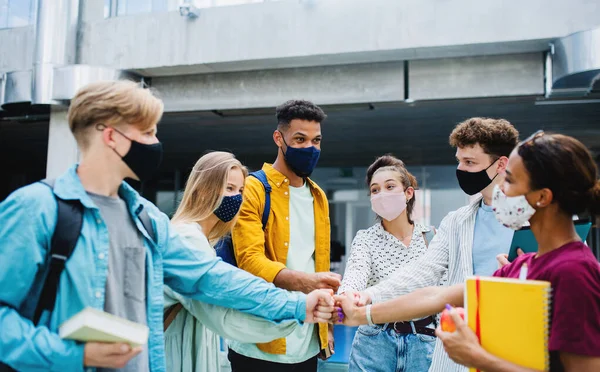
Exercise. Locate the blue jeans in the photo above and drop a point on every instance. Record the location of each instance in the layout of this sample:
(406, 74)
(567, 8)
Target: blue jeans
(377, 350)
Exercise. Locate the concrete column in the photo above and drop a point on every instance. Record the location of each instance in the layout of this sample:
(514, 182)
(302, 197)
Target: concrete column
(62, 148)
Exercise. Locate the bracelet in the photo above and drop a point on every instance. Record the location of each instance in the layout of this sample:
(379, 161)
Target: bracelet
(368, 314)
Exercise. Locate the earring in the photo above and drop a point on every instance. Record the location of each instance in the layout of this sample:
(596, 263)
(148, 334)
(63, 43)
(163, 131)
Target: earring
(538, 204)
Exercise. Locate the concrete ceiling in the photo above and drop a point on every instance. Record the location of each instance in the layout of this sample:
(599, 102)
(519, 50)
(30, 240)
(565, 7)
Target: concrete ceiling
(353, 136)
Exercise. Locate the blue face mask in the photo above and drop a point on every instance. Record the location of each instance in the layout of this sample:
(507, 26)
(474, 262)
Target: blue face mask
(229, 207)
(302, 161)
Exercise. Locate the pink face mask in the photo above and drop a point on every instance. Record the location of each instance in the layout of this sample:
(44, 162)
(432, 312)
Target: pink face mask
(388, 205)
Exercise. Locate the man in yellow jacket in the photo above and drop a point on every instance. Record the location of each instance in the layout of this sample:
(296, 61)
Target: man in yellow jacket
(293, 250)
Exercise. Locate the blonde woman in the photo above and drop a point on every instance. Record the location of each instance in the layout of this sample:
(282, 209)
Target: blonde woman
(208, 210)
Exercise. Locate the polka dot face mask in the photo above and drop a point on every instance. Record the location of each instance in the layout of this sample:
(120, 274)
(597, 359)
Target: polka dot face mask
(229, 207)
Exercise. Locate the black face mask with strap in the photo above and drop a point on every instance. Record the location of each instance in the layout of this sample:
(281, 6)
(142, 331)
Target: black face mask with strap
(473, 182)
(143, 159)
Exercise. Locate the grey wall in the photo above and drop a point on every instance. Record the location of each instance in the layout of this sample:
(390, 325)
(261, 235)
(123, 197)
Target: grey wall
(16, 48)
(295, 34)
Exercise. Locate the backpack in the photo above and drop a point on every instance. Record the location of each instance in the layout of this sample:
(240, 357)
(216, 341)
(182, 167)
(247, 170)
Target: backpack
(224, 247)
(68, 227)
(69, 221)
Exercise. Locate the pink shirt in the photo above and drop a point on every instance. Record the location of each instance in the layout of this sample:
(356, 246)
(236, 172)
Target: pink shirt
(574, 274)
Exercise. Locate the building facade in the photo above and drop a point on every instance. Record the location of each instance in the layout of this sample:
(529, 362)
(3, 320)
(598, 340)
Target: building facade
(394, 77)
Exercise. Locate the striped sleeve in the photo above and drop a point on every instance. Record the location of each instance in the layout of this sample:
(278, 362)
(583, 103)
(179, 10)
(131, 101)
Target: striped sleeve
(427, 271)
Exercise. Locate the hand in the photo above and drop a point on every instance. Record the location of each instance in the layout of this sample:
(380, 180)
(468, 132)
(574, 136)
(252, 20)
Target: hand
(349, 310)
(503, 258)
(359, 298)
(330, 344)
(319, 306)
(364, 299)
(327, 280)
(461, 345)
(98, 354)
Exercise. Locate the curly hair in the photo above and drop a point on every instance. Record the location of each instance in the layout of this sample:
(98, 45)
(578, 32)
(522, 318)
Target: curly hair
(497, 137)
(298, 109)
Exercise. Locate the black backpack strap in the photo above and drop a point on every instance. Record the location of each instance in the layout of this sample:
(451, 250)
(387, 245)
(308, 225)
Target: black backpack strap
(262, 177)
(68, 227)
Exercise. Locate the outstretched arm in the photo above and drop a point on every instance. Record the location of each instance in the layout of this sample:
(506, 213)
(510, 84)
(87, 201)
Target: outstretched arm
(233, 324)
(426, 271)
(420, 303)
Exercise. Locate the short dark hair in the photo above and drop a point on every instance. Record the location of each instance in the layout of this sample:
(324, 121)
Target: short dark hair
(298, 109)
(497, 137)
(390, 162)
(565, 166)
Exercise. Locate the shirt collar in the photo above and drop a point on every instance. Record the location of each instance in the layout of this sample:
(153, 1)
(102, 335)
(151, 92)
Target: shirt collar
(68, 186)
(418, 230)
(279, 179)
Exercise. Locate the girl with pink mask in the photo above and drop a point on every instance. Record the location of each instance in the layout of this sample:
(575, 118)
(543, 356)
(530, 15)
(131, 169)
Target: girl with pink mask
(379, 251)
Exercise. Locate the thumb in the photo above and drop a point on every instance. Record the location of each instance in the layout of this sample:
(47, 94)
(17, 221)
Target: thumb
(364, 299)
(336, 276)
(329, 291)
(502, 259)
(325, 296)
(457, 319)
(332, 279)
(119, 348)
(520, 252)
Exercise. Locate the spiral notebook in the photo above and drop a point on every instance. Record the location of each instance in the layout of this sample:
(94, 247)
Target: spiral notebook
(511, 318)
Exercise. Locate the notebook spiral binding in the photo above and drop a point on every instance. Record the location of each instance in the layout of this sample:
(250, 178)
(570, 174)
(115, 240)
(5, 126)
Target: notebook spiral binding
(547, 320)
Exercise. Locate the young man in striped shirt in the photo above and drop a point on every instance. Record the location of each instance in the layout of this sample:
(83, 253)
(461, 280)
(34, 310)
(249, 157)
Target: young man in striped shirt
(470, 238)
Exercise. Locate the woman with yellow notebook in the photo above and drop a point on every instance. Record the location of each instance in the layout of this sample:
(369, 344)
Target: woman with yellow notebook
(549, 178)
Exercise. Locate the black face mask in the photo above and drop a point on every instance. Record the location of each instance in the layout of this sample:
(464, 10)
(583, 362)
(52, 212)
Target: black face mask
(473, 182)
(142, 159)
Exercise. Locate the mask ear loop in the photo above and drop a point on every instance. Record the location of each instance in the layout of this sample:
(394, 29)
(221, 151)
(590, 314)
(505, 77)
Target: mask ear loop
(286, 145)
(101, 127)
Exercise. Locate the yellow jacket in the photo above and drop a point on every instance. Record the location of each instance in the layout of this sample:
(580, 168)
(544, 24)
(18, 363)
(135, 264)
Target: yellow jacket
(264, 254)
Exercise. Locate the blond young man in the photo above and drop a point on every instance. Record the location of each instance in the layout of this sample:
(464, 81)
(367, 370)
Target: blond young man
(117, 265)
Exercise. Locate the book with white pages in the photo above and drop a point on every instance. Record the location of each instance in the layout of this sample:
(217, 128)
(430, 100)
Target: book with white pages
(92, 325)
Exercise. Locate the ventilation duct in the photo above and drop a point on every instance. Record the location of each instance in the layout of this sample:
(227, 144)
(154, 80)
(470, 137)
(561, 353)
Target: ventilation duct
(55, 75)
(575, 65)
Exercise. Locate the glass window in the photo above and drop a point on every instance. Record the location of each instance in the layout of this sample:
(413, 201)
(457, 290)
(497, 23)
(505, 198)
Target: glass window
(214, 3)
(129, 7)
(106, 8)
(17, 13)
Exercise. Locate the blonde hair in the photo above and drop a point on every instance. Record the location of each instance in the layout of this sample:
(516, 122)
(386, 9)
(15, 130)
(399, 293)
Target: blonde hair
(113, 103)
(204, 192)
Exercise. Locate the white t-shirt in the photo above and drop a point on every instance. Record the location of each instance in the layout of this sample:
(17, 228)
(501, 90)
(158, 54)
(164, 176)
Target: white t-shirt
(303, 343)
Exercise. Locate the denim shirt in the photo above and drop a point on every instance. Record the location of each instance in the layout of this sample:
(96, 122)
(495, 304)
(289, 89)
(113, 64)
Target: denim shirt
(27, 222)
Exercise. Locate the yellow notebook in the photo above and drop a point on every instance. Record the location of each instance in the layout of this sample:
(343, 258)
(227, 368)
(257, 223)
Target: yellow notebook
(513, 318)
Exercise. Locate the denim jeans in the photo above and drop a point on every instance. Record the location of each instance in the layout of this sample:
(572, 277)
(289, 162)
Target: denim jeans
(377, 350)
